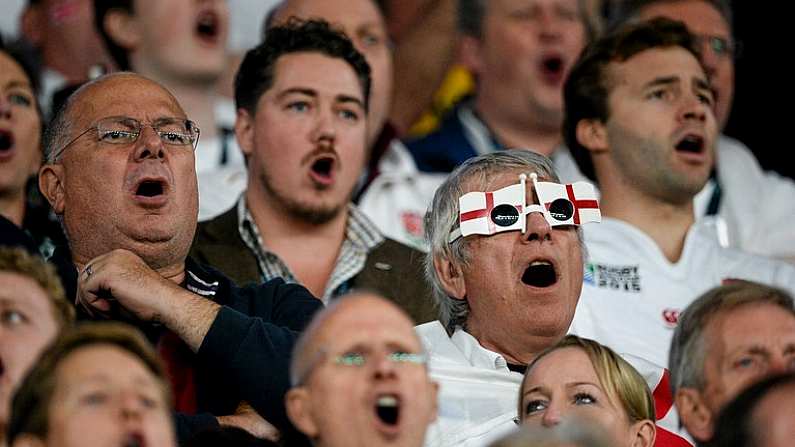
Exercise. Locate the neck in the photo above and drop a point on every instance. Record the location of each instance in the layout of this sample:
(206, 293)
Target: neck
(310, 250)
(516, 347)
(526, 133)
(12, 207)
(666, 223)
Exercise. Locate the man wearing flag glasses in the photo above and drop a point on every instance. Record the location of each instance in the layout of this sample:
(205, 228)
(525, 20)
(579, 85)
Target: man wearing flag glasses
(505, 262)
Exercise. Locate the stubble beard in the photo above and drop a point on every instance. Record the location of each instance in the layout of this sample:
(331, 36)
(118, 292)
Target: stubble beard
(314, 214)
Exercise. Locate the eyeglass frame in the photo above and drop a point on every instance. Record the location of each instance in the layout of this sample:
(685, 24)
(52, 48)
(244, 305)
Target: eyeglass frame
(140, 126)
(322, 356)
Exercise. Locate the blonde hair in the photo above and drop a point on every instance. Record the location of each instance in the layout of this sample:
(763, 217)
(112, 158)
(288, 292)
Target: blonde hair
(620, 380)
(18, 261)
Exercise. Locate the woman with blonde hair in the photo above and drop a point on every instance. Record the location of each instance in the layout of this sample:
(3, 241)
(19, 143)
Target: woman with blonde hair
(581, 378)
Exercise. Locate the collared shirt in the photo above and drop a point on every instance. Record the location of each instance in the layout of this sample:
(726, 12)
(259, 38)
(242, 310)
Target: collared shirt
(361, 236)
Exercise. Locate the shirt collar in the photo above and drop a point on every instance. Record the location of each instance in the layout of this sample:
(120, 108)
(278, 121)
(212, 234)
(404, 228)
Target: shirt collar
(476, 354)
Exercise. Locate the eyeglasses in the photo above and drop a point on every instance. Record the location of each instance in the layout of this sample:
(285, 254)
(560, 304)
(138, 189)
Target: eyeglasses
(125, 130)
(355, 360)
(719, 46)
(361, 359)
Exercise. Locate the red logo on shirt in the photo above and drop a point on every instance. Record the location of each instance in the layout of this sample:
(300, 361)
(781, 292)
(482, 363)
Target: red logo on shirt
(671, 317)
(412, 222)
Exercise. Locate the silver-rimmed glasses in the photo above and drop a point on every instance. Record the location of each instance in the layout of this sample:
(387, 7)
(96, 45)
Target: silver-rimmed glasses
(126, 130)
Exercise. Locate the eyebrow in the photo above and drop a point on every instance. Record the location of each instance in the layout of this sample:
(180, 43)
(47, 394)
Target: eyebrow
(312, 93)
(15, 83)
(667, 80)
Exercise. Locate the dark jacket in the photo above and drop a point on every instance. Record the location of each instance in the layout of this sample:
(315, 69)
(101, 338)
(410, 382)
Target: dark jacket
(392, 269)
(245, 355)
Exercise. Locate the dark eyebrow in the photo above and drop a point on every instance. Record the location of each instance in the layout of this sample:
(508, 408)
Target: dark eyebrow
(24, 84)
(298, 90)
(350, 99)
(702, 83)
(668, 80)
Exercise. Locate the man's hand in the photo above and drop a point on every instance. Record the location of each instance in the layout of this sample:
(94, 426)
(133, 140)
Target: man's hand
(122, 278)
(249, 420)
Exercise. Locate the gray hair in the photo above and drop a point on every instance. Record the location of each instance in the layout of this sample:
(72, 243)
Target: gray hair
(571, 431)
(472, 12)
(474, 174)
(689, 346)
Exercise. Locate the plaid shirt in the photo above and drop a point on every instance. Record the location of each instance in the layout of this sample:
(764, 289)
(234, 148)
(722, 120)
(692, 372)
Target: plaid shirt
(361, 236)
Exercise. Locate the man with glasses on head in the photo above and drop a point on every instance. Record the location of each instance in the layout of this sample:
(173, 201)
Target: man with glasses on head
(360, 378)
(739, 187)
(120, 175)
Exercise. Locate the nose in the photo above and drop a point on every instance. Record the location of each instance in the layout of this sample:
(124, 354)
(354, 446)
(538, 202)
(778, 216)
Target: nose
(538, 228)
(551, 417)
(130, 406)
(693, 109)
(324, 130)
(549, 25)
(781, 365)
(384, 368)
(5, 108)
(149, 145)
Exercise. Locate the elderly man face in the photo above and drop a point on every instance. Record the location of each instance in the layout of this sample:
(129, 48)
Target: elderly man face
(139, 195)
(363, 378)
(742, 346)
(518, 283)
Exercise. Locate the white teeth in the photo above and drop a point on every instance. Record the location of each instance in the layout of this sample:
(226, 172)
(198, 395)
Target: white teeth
(534, 263)
(387, 401)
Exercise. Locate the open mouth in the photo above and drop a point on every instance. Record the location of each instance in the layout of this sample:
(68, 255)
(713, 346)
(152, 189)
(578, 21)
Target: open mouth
(322, 170)
(208, 26)
(134, 440)
(691, 143)
(150, 188)
(551, 68)
(387, 409)
(540, 274)
(6, 141)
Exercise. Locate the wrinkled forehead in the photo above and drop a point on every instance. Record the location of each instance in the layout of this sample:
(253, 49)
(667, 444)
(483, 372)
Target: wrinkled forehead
(486, 180)
(123, 95)
(349, 14)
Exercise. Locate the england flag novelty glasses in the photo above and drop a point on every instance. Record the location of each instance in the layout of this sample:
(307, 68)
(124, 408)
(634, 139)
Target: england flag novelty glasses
(506, 209)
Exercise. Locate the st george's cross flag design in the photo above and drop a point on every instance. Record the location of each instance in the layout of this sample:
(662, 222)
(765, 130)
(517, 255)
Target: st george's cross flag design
(570, 204)
(506, 209)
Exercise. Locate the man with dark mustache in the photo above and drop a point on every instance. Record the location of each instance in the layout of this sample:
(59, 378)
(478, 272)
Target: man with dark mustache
(302, 98)
(120, 175)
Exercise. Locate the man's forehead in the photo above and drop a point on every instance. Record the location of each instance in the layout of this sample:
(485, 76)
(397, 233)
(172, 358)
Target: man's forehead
(698, 15)
(124, 95)
(654, 63)
(293, 71)
(349, 321)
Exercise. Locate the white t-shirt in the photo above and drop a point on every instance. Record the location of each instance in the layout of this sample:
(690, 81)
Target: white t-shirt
(632, 295)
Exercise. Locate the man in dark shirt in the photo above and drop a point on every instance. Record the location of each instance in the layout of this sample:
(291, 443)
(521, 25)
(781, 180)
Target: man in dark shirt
(120, 175)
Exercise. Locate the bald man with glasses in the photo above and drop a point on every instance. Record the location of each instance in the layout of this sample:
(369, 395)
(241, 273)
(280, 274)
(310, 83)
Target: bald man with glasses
(120, 176)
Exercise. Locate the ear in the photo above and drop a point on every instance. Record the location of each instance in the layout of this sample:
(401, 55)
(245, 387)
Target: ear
(451, 277)
(52, 186)
(298, 403)
(27, 440)
(31, 25)
(122, 29)
(469, 54)
(643, 433)
(694, 414)
(244, 131)
(592, 134)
